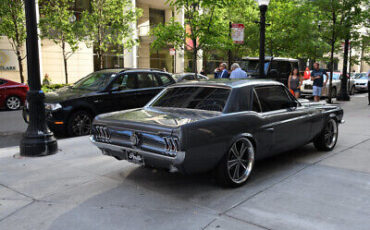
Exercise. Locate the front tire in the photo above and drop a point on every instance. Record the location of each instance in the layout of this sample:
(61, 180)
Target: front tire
(237, 164)
(13, 103)
(79, 123)
(352, 91)
(328, 137)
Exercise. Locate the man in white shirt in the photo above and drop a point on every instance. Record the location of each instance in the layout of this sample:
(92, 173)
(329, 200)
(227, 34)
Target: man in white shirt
(237, 72)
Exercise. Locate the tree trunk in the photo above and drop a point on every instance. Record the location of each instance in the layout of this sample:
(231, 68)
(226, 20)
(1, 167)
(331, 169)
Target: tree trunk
(195, 56)
(65, 61)
(343, 96)
(333, 38)
(20, 65)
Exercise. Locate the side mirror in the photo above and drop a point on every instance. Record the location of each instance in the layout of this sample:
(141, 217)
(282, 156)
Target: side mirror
(293, 105)
(116, 88)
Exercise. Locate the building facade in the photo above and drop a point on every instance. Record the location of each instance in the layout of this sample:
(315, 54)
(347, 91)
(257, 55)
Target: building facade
(84, 61)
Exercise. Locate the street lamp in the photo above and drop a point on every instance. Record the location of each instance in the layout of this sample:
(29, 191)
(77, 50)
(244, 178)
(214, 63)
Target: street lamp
(37, 140)
(263, 8)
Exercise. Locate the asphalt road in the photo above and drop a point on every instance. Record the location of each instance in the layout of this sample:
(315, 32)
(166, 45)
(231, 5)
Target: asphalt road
(78, 188)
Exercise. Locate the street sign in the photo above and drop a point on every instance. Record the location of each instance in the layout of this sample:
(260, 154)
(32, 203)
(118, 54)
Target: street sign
(237, 33)
(172, 51)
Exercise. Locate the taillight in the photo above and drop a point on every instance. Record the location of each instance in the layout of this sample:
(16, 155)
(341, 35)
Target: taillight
(171, 144)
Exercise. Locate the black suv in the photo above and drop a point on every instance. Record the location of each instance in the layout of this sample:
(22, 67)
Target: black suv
(70, 110)
(276, 68)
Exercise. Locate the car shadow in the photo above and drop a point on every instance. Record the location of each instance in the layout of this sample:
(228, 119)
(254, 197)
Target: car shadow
(145, 192)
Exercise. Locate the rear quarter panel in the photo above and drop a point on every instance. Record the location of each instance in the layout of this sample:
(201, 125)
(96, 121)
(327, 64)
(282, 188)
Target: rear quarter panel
(206, 141)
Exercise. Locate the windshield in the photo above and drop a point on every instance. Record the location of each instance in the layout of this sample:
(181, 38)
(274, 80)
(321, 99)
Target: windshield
(203, 98)
(252, 66)
(336, 76)
(362, 76)
(94, 81)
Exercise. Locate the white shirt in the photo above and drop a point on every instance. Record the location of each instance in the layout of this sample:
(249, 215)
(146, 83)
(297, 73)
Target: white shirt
(238, 73)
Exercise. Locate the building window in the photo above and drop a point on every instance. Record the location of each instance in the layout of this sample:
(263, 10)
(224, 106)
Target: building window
(156, 17)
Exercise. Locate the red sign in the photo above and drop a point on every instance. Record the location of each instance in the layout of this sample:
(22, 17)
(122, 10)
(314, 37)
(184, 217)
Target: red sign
(172, 51)
(237, 33)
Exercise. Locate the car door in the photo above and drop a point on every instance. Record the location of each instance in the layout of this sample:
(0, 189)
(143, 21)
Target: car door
(289, 124)
(123, 92)
(148, 85)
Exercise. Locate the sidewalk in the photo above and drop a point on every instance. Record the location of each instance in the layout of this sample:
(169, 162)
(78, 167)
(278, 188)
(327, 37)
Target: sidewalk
(78, 188)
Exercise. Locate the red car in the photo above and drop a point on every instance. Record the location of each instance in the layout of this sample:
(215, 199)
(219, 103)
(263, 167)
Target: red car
(12, 94)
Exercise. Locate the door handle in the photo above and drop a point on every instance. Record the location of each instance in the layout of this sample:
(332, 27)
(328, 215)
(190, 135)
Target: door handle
(271, 130)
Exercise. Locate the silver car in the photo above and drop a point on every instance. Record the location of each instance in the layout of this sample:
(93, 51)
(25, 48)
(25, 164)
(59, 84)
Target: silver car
(361, 81)
(306, 88)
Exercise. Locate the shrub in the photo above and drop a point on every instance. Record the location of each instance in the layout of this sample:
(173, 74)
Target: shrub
(50, 88)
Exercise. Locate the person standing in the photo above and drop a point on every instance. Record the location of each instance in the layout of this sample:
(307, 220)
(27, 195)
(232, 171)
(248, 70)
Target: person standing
(221, 71)
(295, 82)
(317, 76)
(237, 72)
(307, 74)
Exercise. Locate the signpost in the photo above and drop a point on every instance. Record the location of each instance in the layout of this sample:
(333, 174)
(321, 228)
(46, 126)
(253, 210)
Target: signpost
(237, 33)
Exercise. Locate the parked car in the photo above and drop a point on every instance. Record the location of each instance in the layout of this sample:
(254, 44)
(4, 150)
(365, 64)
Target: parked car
(216, 125)
(70, 110)
(306, 88)
(12, 94)
(275, 68)
(188, 76)
(361, 81)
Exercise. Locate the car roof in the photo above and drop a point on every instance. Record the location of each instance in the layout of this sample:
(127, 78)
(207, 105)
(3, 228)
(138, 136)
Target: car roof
(269, 59)
(228, 83)
(120, 70)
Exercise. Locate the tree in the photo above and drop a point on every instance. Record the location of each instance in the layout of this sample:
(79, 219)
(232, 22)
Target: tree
(109, 24)
(336, 18)
(203, 28)
(58, 23)
(13, 25)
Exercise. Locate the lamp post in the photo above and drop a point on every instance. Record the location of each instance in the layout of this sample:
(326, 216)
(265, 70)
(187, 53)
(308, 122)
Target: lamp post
(37, 140)
(263, 8)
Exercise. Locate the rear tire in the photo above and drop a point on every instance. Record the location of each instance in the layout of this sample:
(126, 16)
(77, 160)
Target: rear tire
(79, 123)
(237, 164)
(328, 137)
(13, 103)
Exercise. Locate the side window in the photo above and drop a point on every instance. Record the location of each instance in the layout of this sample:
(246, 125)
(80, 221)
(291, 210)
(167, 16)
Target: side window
(189, 77)
(146, 80)
(2, 82)
(256, 104)
(165, 79)
(273, 98)
(285, 67)
(125, 81)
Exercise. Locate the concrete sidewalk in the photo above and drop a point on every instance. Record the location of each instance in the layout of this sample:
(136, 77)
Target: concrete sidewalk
(78, 188)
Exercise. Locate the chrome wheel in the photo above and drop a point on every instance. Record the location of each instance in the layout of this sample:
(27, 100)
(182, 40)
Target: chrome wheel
(81, 124)
(240, 160)
(13, 103)
(331, 133)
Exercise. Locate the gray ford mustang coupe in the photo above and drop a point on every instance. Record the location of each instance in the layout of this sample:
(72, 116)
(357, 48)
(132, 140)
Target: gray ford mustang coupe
(220, 125)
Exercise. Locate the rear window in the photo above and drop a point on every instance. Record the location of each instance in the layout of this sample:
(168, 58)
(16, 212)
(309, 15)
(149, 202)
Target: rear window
(203, 98)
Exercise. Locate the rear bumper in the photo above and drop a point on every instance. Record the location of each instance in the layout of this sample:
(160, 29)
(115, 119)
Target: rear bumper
(153, 159)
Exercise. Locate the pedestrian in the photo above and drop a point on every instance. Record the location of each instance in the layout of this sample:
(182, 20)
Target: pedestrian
(221, 71)
(317, 76)
(307, 73)
(295, 82)
(368, 85)
(237, 72)
(203, 72)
